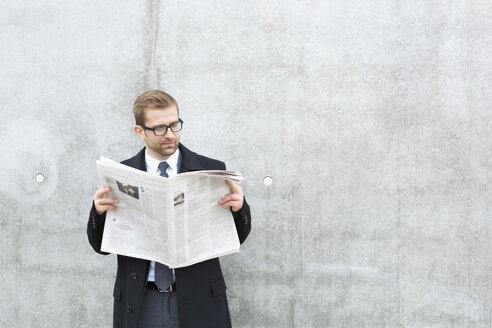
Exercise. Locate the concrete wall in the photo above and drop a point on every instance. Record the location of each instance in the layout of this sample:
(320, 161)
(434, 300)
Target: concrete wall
(372, 117)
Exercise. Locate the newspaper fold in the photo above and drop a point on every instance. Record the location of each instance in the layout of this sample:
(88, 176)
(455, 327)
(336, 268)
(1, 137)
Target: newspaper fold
(176, 221)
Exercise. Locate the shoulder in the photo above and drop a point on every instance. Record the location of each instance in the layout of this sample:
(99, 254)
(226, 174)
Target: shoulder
(210, 162)
(194, 161)
(137, 161)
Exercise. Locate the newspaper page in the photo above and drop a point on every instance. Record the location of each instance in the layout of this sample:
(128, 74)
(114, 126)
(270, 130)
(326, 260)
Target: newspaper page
(176, 221)
(203, 229)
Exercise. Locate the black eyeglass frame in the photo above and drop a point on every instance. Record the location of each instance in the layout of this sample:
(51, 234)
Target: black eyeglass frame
(161, 126)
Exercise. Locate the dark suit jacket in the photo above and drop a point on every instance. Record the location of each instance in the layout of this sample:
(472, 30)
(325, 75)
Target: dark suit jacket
(200, 288)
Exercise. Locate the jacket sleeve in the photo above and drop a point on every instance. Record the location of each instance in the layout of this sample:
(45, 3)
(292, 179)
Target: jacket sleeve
(242, 219)
(95, 228)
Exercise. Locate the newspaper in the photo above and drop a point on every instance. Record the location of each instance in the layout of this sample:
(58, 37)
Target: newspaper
(176, 221)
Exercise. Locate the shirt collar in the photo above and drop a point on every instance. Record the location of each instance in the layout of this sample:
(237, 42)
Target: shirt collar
(153, 163)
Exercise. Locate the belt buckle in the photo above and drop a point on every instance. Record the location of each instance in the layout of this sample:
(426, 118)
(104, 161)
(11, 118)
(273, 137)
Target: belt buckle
(167, 290)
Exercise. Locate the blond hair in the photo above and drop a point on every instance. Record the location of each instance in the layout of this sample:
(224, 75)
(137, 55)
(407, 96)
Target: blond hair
(151, 99)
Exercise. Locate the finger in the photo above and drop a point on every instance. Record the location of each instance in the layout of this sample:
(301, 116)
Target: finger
(232, 202)
(102, 191)
(235, 201)
(104, 204)
(104, 208)
(106, 201)
(235, 188)
(101, 203)
(230, 197)
(234, 205)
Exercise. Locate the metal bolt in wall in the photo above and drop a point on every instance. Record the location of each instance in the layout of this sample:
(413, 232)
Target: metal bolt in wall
(39, 177)
(268, 181)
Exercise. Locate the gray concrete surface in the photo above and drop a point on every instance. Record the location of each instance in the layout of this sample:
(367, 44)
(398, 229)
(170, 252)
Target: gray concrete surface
(372, 117)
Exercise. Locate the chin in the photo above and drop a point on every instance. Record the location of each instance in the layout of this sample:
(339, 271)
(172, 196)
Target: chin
(168, 151)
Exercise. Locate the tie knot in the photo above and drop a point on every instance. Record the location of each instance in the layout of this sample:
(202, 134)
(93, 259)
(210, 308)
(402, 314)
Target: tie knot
(163, 167)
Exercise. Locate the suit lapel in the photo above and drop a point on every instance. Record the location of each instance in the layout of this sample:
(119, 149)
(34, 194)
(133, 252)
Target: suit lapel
(137, 161)
(190, 161)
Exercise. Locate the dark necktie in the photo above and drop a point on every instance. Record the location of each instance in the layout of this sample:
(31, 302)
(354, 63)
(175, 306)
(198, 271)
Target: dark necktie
(163, 167)
(163, 275)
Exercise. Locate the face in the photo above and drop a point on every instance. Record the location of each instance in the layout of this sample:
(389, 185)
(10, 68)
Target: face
(159, 147)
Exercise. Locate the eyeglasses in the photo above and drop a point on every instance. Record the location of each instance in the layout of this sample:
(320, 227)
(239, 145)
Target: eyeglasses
(162, 129)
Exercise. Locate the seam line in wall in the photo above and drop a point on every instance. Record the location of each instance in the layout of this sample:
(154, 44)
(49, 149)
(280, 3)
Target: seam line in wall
(154, 46)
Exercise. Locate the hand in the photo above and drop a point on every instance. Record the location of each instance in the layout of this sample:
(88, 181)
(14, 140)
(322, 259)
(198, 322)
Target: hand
(235, 199)
(102, 203)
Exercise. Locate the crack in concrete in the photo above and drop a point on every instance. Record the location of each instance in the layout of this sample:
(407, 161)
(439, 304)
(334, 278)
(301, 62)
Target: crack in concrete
(154, 45)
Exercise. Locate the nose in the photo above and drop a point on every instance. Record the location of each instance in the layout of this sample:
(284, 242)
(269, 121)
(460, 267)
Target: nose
(169, 133)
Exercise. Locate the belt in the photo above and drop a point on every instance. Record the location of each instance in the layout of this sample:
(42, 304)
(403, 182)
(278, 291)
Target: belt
(152, 285)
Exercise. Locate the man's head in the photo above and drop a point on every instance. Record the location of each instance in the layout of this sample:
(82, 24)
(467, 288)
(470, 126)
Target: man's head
(154, 110)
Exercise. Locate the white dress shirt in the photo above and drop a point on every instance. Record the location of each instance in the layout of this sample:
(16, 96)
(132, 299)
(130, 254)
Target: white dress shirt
(153, 167)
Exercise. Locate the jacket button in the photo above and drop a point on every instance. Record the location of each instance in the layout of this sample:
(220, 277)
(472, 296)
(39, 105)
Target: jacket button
(129, 309)
(133, 275)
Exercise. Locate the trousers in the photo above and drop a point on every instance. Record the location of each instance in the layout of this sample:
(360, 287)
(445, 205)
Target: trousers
(159, 310)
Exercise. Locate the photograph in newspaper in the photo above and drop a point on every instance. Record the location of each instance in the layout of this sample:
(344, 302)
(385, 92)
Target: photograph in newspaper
(128, 189)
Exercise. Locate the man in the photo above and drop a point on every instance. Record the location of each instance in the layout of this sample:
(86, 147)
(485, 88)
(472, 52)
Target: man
(195, 296)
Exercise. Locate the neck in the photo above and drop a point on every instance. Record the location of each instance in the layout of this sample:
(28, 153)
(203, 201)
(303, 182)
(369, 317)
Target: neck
(155, 155)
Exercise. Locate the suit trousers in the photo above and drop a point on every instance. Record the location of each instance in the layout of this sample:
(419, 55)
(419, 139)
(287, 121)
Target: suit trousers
(159, 310)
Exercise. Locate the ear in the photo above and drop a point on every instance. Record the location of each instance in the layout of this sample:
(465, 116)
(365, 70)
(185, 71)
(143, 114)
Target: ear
(139, 131)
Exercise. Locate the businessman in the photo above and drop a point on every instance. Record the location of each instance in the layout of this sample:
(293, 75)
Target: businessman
(149, 294)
